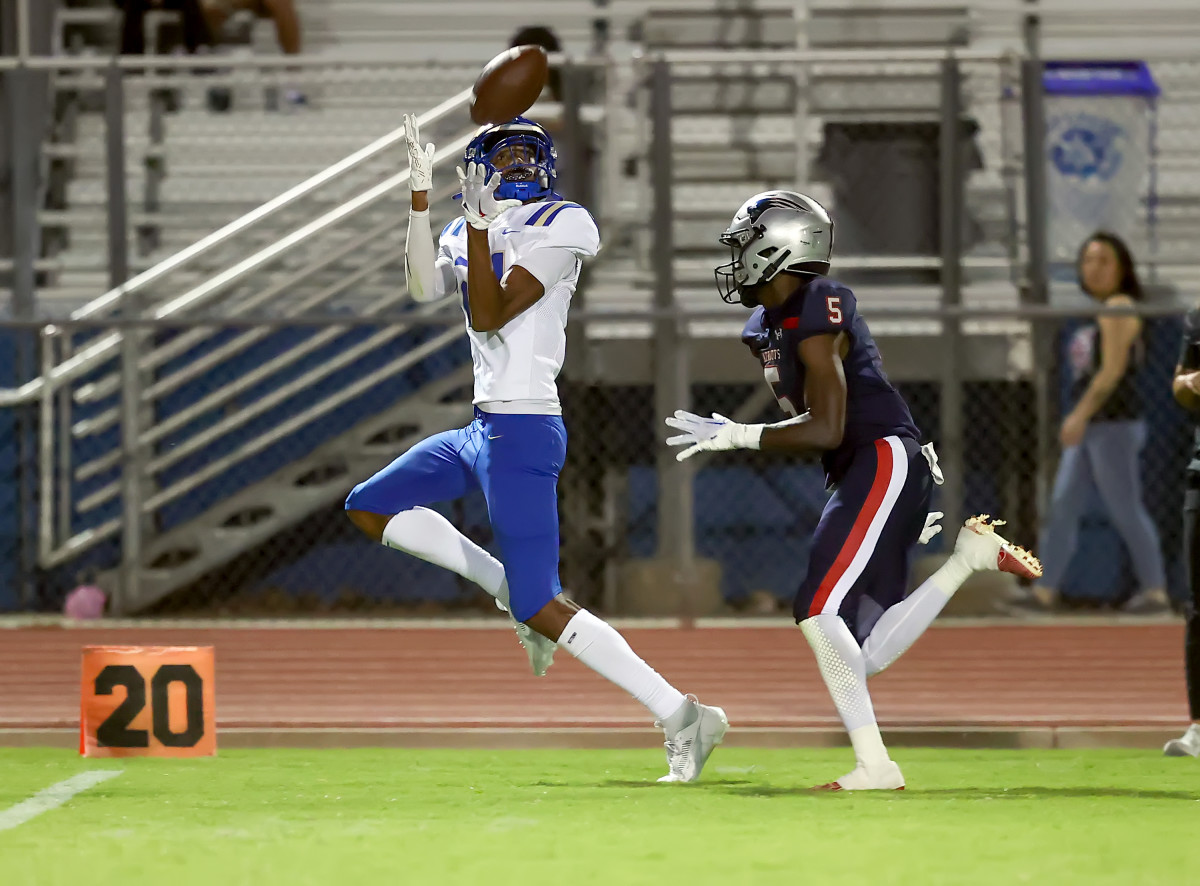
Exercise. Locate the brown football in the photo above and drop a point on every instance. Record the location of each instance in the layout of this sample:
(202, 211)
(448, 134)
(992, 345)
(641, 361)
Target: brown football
(509, 85)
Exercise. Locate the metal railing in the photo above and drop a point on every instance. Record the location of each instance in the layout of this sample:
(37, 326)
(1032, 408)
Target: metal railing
(111, 438)
(997, 472)
(83, 396)
(79, 364)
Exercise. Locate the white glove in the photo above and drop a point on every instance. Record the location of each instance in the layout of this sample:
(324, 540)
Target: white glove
(480, 206)
(932, 527)
(420, 162)
(715, 434)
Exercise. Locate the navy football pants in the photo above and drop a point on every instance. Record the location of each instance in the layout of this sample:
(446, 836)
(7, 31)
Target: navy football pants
(862, 547)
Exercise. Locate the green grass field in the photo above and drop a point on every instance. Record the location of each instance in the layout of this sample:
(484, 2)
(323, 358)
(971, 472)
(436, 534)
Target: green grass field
(575, 817)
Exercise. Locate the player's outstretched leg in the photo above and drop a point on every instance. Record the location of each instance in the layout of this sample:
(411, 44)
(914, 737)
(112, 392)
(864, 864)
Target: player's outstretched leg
(519, 477)
(430, 536)
(978, 548)
(842, 667)
(387, 508)
(692, 730)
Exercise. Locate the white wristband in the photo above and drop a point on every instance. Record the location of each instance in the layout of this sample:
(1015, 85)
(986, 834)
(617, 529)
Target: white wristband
(747, 436)
(753, 433)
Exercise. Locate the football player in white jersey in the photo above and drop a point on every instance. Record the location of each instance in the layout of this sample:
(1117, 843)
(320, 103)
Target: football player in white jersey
(514, 256)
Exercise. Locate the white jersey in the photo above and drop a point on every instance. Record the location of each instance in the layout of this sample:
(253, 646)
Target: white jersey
(516, 367)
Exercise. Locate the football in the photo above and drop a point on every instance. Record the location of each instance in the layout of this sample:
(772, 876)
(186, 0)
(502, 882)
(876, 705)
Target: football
(509, 84)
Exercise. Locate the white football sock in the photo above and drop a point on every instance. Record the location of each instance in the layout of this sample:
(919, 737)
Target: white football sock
(841, 663)
(602, 649)
(956, 570)
(430, 536)
(900, 625)
(868, 746)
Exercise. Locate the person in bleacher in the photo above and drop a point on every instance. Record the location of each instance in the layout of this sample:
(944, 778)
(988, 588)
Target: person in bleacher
(133, 29)
(195, 34)
(282, 12)
(288, 31)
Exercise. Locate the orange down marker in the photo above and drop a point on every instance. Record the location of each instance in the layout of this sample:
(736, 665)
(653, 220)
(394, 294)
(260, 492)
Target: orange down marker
(147, 701)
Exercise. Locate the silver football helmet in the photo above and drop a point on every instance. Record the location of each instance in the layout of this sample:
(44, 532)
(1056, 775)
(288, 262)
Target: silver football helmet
(772, 232)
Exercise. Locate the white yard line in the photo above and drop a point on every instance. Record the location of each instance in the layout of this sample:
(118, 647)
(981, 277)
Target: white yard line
(53, 797)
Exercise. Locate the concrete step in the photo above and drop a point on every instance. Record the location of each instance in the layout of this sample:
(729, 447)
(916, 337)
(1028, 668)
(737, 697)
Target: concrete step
(710, 27)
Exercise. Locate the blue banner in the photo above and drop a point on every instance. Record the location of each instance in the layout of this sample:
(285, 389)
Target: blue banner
(1099, 78)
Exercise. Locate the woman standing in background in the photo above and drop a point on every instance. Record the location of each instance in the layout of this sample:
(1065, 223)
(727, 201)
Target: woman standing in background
(1187, 393)
(1104, 431)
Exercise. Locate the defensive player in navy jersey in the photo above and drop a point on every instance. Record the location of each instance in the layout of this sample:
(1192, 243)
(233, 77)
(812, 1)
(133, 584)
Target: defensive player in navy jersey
(819, 358)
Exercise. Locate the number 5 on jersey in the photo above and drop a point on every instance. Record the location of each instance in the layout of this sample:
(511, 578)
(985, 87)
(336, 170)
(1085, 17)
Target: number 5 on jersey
(785, 403)
(147, 701)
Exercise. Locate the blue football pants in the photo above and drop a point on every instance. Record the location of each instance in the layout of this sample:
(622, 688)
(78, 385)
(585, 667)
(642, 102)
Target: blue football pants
(515, 461)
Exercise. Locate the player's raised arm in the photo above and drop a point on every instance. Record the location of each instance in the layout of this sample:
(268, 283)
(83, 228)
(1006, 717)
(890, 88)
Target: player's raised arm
(420, 255)
(492, 302)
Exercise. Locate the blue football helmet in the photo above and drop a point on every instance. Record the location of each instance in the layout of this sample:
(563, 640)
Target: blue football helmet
(522, 152)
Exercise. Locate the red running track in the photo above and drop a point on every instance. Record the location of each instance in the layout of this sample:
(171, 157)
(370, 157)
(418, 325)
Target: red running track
(1000, 675)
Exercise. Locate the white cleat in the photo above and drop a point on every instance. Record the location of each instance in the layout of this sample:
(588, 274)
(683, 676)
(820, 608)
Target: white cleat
(982, 548)
(691, 746)
(1188, 746)
(879, 778)
(539, 649)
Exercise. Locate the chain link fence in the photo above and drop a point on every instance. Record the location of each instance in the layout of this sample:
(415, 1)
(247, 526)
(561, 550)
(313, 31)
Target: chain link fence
(754, 513)
(252, 437)
(299, 374)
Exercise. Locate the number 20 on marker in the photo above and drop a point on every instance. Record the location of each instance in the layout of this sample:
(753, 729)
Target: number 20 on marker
(148, 701)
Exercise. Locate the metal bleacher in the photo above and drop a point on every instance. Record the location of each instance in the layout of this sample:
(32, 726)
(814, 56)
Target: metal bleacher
(753, 125)
(735, 131)
(253, 428)
(734, 126)
(256, 429)
(204, 169)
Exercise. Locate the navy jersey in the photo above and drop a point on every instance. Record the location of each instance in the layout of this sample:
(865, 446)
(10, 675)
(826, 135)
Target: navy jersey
(874, 409)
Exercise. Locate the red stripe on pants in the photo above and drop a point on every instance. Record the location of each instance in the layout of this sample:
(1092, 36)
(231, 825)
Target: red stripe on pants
(850, 548)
